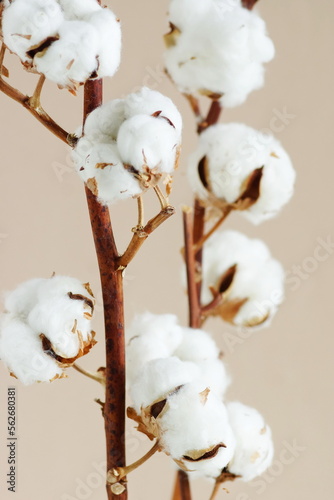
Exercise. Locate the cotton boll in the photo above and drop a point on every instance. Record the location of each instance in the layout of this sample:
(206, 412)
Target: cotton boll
(217, 49)
(105, 174)
(158, 377)
(152, 336)
(231, 154)
(103, 123)
(109, 49)
(146, 141)
(254, 447)
(195, 422)
(77, 9)
(196, 345)
(148, 102)
(20, 301)
(21, 350)
(28, 24)
(72, 59)
(255, 286)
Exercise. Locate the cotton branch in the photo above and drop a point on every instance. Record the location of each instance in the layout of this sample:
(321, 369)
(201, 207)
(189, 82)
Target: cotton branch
(31, 104)
(112, 292)
(249, 4)
(182, 487)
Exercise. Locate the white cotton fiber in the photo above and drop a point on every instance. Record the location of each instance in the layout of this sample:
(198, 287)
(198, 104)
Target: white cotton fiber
(151, 336)
(147, 141)
(111, 180)
(213, 374)
(254, 447)
(21, 350)
(258, 277)
(73, 58)
(158, 377)
(196, 345)
(20, 301)
(27, 24)
(103, 123)
(194, 422)
(217, 48)
(78, 9)
(233, 152)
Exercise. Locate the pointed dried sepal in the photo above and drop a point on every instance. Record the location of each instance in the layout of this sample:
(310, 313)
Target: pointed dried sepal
(171, 37)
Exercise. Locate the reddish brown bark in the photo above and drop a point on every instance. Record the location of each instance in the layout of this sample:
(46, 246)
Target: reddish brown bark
(249, 4)
(112, 292)
(182, 487)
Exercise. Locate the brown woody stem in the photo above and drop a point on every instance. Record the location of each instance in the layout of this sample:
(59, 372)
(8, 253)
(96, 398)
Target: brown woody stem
(112, 292)
(25, 101)
(212, 116)
(215, 490)
(182, 487)
(193, 299)
(249, 4)
(140, 235)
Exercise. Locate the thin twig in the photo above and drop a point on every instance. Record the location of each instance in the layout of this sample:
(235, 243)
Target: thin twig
(214, 228)
(140, 235)
(94, 376)
(140, 206)
(35, 99)
(212, 116)
(215, 490)
(163, 200)
(118, 473)
(24, 100)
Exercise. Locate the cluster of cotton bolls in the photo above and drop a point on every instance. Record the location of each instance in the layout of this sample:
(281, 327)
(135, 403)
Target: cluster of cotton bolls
(217, 48)
(239, 166)
(68, 41)
(177, 383)
(46, 327)
(242, 271)
(128, 144)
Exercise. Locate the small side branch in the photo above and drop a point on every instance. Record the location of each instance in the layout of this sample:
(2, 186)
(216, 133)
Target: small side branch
(140, 235)
(97, 376)
(214, 228)
(212, 116)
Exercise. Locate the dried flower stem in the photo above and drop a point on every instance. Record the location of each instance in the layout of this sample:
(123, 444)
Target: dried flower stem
(182, 487)
(249, 4)
(194, 305)
(140, 206)
(140, 235)
(118, 473)
(25, 101)
(215, 490)
(112, 292)
(212, 116)
(93, 375)
(219, 222)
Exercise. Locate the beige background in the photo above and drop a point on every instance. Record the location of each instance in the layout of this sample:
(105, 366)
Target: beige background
(285, 371)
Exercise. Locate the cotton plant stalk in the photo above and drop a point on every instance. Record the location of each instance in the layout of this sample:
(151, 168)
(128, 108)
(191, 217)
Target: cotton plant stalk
(124, 149)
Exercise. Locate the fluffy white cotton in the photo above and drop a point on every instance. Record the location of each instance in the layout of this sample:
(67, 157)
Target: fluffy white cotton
(195, 422)
(146, 141)
(47, 321)
(67, 41)
(196, 345)
(254, 447)
(102, 169)
(27, 24)
(213, 374)
(151, 336)
(258, 278)
(103, 123)
(21, 350)
(233, 152)
(158, 377)
(71, 59)
(150, 102)
(108, 54)
(217, 48)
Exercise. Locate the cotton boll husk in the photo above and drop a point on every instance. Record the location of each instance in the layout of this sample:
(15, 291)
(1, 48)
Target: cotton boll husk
(112, 181)
(146, 141)
(258, 276)
(196, 345)
(103, 123)
(158, 377)
(21, 350)
(109, 48)
(20, 301)
(195, 420)
(213, 375)
(148, 102)
(233, 151)
(254, 447)
(26, 24)
(77, 9)
(72, 59)
(151, 336)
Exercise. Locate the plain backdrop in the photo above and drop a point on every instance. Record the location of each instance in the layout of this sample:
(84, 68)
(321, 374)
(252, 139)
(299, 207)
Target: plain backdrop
(285, 371)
